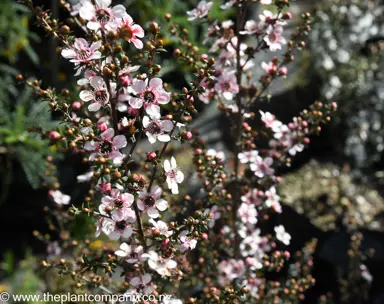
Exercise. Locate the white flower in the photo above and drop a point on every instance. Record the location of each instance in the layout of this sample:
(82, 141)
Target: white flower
(262, 167)
(247, 213)
(160, 265)
(59, 198)
(152, 202)
(101, 15)
(132, 253)
(187, 242)
(173, 174)
(162, 227)
(248, 156)
(282, 236)
(201, 11)
(142, 283)
(156, 129)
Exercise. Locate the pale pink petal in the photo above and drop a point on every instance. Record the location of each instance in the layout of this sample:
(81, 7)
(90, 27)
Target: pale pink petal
(119, 141)
(179, 176)
(108, 134)
(135, 103)
(86, 95)
(162, 204)
(93, 107)
(68, 53)
(138, 31)
(153, 213)
(119, 11)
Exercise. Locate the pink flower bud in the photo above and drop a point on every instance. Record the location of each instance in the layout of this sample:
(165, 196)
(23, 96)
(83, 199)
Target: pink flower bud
(287, 254)
(54, 135)
(125, 81)
(283, 71)
(105, 188)
(198, 151)
(76, 105)
(134, 112)
(151, 156)
(307, 140)
(334, 105)
(287, 16)
(187, 135)
(278, 179)
(204, 236)
(292, 126)
(204, 56)
(260, 193)
(304, 123)
(102, 126)
(165, 243)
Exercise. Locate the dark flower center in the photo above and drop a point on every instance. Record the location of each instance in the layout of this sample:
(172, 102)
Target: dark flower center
(154, 128)
(121, 225)
(149, 201)
(102, 16)
(126, 32)
(101, 96)
(106, 147)
(149, 96)
(118, 203)
(84, 54)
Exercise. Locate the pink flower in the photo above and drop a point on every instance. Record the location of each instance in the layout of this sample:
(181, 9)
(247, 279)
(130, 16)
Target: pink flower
(125, 74)
(247, 213)
(150, 95)
(116, 229)
(99, 95)
(274, 39)
(232, 269)
(270, 120)
(59, 198)
(142, 283)
(262, 167)
(101, 16)
(162, 227)
(248, 156)
(82, 52)
(201, 11)
(251, 197)
(131, 253)
(269, 67)
(227, 85)
(152, 202)
(214, 214)
(131, 31)
(108, 145)
(118, 202)
(251, 27)
(161, 265)
(156, 129)
(173, 174)
(187, 242)
(273, 199)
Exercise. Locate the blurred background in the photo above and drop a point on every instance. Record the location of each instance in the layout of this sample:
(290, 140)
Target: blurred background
(332, 191)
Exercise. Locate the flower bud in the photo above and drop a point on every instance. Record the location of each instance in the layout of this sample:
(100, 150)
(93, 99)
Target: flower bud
(151, 156)
(54, 135)
(102, 126)
(76, 106)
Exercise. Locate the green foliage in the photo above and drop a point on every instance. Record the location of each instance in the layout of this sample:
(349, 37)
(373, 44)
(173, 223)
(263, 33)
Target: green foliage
(14, 33)
(15, 139)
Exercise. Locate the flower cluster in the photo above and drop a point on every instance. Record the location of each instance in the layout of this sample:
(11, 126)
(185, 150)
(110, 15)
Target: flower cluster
(135, 194)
